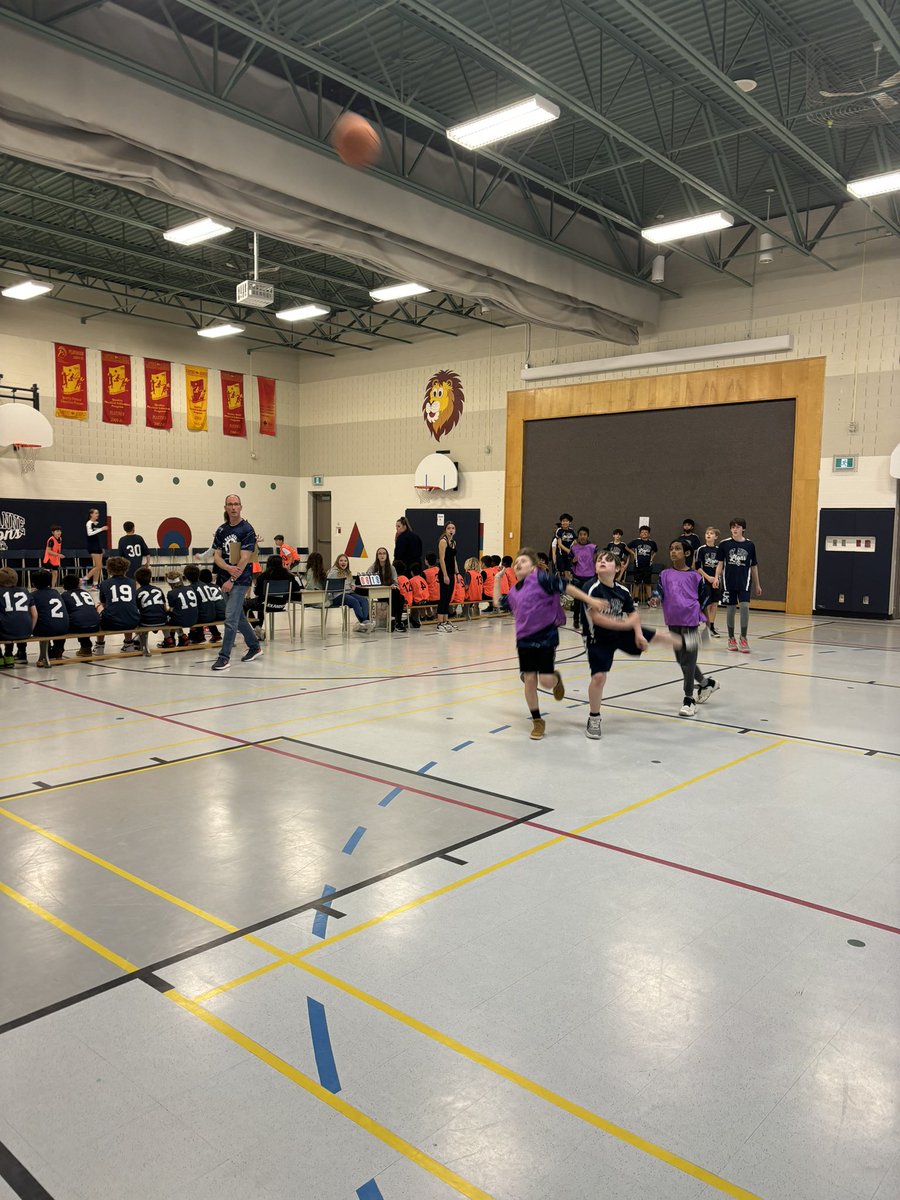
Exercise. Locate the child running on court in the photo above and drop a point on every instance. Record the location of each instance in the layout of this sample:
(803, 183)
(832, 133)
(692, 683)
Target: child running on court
(682, 592)
(534, 603)
(615, 625)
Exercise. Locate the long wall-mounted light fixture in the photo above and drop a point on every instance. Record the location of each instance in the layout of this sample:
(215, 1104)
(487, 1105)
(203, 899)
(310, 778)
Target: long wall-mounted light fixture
(663, 358)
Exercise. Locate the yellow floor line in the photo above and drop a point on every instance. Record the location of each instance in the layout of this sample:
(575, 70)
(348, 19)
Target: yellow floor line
(126, 875)
(350, 1111)
(295, 958)
(536, 1089)
(56, 787)
(283, 958)
(89, 762)
(64, 927)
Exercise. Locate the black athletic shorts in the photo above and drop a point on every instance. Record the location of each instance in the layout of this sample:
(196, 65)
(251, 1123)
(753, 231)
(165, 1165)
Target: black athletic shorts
(600, 654)
(734, 597)
(538, 651)
(643, 574)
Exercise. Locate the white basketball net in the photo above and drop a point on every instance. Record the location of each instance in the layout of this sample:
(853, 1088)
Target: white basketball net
(27, 456)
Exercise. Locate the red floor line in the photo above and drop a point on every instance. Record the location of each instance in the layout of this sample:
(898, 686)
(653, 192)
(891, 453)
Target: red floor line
(738, 883)
(187, 712)
(231, 737)
(577, 837)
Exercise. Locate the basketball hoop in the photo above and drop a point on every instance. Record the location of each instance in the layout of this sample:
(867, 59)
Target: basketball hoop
(27, 455)
(426, 491)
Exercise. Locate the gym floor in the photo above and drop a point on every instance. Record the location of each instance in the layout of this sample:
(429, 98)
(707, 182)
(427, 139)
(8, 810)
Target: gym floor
(330, 926)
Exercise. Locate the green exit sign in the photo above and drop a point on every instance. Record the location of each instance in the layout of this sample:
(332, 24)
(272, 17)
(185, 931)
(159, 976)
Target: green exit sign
(846, 463)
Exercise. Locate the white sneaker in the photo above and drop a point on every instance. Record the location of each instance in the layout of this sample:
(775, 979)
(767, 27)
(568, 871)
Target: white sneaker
(688, 708)
(593, 728)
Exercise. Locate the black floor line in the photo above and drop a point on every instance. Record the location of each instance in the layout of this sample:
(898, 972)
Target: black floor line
(174, 762)
(774, 733)
(19, 1178)
(144, 972)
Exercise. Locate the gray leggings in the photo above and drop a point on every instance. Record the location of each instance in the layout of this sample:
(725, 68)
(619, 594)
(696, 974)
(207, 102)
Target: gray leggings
(745, 618)
(687, 660)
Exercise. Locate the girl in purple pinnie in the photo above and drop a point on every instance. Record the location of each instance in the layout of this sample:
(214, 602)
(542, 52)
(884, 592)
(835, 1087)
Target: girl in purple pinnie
(534, 602)
(681, 591)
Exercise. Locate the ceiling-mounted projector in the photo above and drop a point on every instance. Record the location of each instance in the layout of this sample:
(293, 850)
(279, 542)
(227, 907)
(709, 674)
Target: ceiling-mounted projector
(255, 294)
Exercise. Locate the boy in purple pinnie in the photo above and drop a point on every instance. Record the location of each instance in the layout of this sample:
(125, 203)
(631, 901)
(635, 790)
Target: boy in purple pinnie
(682, 593)
(534, 602)
(582, 553)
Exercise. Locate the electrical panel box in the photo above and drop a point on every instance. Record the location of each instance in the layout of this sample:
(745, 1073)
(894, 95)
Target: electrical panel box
(854, 566)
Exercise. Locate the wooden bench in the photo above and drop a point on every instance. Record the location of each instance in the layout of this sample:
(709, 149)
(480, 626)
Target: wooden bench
(142, 634)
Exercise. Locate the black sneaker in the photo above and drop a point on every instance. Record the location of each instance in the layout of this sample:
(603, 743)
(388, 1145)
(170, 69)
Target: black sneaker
(253, 653)
(705, 690)
(713, 632)
(221, 664)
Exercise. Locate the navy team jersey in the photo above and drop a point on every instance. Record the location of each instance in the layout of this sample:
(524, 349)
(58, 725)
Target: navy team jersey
(563, 539)
(707, 558)
(184, 605)
(619, 550)
(15, 613)
(83, 615)
(645, 552)
(52, 618)
(738, 558)
(133, 547)
(152, 604)
(118, 595)
(620, 605)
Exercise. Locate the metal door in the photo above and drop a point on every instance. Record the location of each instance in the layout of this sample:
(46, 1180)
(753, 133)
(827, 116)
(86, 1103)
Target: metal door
(321, 526)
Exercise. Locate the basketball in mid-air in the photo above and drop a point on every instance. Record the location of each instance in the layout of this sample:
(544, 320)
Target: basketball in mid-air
(357, 143)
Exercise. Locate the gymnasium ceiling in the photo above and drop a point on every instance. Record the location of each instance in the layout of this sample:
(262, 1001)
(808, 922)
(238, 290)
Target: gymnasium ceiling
(652, 124)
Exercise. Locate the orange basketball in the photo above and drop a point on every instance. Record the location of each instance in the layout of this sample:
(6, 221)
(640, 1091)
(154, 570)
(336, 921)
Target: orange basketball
(356, 142)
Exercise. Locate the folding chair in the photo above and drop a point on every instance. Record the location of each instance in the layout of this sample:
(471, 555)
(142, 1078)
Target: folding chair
(334, 591)
(278, 600)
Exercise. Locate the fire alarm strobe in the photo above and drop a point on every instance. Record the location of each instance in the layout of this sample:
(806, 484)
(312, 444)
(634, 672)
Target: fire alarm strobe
(255, 294)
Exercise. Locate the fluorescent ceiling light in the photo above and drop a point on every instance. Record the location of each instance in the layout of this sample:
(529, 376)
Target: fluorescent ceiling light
(664, 358)
(303, 312)
(504, 123)
(674, 230)
(398, 291)
(874, 185)
(196, 231)
(26, 290)
(225, 330)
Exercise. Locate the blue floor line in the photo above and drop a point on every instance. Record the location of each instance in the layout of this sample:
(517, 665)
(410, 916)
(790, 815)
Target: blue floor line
(318, 1027)
(392, 795)
(369, 1191)
(353, 839)
(499, 729)
(462, 745)
(427, 767)
(320, 920)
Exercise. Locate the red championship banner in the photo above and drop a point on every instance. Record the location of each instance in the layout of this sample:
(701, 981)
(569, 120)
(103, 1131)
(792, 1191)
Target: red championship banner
(115, 371)
(233, 422)
(71, 382)
(158, 393)
(196, 387)
(266, 391)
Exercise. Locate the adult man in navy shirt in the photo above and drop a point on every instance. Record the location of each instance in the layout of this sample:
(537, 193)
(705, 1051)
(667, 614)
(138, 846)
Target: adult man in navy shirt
(235, 539)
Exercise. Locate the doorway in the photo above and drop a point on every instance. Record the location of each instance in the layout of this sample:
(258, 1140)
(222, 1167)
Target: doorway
(320, 525)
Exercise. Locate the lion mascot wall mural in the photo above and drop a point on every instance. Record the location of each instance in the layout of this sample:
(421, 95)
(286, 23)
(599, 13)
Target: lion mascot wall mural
(443, 403)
